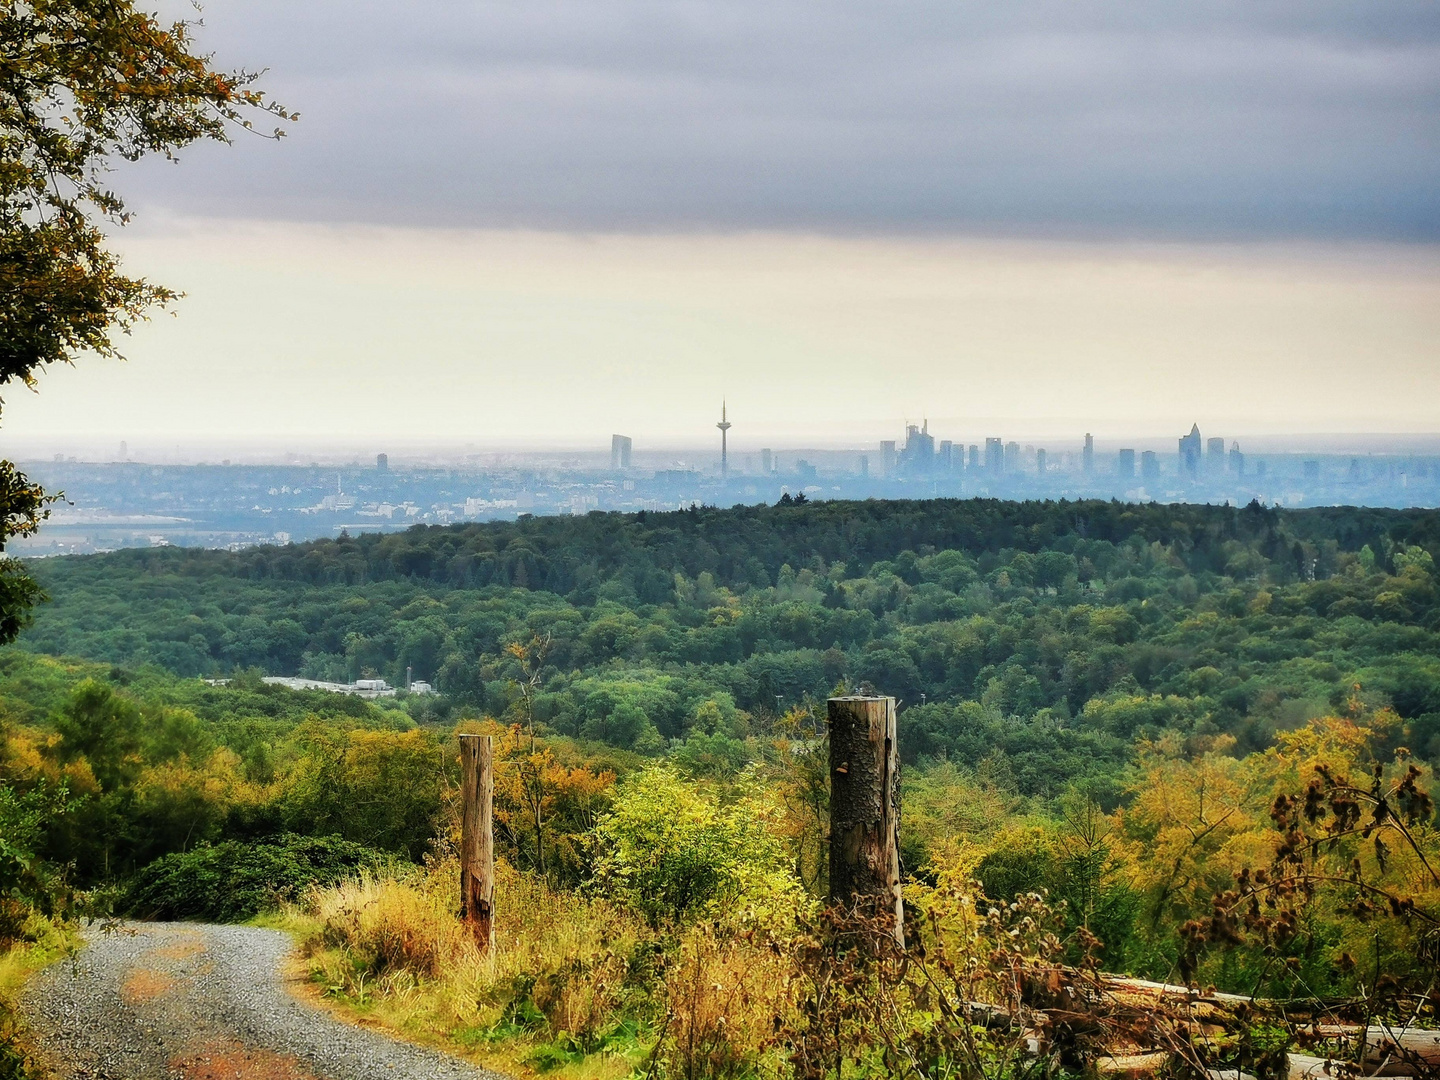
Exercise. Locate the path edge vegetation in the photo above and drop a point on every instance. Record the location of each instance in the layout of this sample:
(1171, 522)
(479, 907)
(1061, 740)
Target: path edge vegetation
(82, 85)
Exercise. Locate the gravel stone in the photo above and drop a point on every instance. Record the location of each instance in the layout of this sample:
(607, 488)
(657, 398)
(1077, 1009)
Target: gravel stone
(189, 1000)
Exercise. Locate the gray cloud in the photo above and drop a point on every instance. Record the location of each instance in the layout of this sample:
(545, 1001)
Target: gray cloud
(1292, 117)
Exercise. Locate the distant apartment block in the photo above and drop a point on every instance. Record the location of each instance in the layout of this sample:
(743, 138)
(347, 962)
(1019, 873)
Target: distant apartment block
(1149, 465)
(888, 458)
(1125, 465)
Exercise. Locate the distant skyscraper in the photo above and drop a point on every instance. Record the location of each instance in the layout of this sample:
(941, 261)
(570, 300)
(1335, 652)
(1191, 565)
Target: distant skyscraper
(1125, 465)
(919, 453)
(864, 466)
(1190, 453)
(974, 462)
(1012, 457)
(1214, 456)
(946, 457)
(724, 425)
(620, 447)
(1040, 462)
(1237, 460)
(1088, 461)
(888, 458)
(382, 462)
(767, 466)
(1149, 465)
(124, 451)
(994, 456)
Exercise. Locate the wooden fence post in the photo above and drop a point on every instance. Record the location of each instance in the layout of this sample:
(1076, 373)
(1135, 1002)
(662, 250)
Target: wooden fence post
(477, 838)
(865, 805)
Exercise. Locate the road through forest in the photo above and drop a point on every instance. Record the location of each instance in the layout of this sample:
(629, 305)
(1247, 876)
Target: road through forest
(186, 1001)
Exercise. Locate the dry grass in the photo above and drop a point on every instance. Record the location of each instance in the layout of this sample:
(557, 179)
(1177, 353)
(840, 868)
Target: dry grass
(575, 988)
(726, 997)
(394, 951)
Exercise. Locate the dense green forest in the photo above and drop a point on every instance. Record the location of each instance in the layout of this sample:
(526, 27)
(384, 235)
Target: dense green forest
(1120, 721)
(1052, 635)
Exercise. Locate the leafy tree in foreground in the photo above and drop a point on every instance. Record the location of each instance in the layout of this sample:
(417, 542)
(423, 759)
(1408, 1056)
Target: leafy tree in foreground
(83, 82)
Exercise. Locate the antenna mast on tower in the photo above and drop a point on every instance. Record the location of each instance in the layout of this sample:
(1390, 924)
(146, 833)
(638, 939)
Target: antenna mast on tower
(724, 426)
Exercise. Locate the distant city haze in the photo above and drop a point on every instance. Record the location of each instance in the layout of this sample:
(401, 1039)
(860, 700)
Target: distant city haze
(303, 335)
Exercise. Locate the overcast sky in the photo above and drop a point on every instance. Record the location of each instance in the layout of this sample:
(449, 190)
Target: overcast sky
(1253, 117)
(1088, 201)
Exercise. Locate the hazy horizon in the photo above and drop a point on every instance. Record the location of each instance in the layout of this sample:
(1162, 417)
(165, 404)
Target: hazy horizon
(541, 226)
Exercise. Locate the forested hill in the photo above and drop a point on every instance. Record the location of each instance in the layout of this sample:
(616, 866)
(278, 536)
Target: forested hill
(1066, 629)
(748, 546)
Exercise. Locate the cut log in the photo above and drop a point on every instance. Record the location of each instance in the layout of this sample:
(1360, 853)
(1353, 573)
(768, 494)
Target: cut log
(1399, 1047)
(1304, 1067)
(1132, 1066)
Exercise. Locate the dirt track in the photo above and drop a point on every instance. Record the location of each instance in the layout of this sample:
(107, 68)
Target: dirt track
(183, 1000)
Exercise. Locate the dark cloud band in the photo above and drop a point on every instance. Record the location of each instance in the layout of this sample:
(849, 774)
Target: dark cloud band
(1285, 118)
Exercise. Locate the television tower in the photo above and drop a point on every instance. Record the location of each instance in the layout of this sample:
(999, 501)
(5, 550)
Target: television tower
(724, 426)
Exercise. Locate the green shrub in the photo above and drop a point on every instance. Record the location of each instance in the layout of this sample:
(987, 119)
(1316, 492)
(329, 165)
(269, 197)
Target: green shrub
(671, 851)
(235, 880)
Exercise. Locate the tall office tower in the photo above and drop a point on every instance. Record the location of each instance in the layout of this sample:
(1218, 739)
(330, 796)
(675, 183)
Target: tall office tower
(1237, 460)
(864, 466)
(724, 425)
(1149, 465)
(1190, 453)
(1214, 456)
(946, 457)
(1012, 457)
(919, 453)
(994, 456)
(619, 452)
(974, 461)
(1125, 465)
(767, 465)
(1088, 461)
(888, 459)
(382, 462)
(1040, 462)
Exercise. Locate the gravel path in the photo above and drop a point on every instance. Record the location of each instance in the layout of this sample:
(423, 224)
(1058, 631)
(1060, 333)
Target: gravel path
(186, 1000)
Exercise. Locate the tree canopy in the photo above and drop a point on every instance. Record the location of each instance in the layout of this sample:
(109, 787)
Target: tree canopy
(82, 84)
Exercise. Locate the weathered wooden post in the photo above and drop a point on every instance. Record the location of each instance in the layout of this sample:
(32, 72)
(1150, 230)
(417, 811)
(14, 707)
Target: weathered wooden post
(477, 838)
(865, 805)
